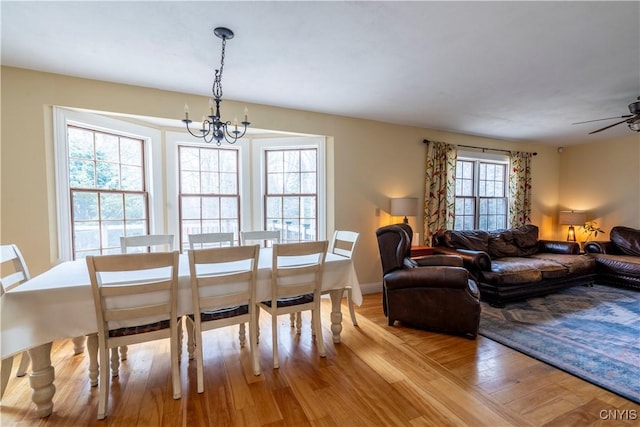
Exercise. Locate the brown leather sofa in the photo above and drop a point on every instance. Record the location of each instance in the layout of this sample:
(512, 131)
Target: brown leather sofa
(432, 292)
(513, 264)
(617, 260)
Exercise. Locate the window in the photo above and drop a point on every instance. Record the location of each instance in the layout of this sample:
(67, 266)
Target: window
(105, 185)
(209, 191)
(291, 199)
(258, 184)
(112, 180)
(480, 201)
(107, 190)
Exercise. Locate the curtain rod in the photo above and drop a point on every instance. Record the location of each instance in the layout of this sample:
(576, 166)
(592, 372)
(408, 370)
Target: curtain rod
(426, 141)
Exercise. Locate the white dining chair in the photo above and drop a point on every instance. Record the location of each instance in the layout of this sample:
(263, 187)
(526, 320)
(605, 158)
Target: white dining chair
(146, 243)
(14, 272)
(135, 297)
(137, 244)
(263, 237)
(296, 281)
(205, 240)
(223, 288)
(343, 243)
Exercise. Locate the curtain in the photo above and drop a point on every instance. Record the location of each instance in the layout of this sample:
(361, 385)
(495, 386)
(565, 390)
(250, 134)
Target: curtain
(440, 187)
(519, 188)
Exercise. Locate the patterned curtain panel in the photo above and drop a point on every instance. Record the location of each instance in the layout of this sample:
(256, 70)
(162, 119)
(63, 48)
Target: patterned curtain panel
(519, 189)
(440, 187)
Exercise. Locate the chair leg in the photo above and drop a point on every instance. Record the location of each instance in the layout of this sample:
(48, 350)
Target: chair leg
(352, 311)
(92, 351)
(123, 352)
(190, 337)
(253, 337)
(299, 323)
(175, 365)
(242, 335)
(274, 334)
(103, 392)
(5, 373)
(24, 364)
(317, 323)
(292, 319)
(115, 362)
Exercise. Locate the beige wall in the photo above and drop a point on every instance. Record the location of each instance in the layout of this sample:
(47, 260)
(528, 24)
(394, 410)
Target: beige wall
(372, 161)
(603, 179)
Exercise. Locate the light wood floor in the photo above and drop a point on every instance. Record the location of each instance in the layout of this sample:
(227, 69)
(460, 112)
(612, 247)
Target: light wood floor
(377, 376)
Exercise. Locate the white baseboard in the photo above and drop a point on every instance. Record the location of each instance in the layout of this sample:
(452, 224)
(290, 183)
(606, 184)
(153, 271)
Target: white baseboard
(371, 288)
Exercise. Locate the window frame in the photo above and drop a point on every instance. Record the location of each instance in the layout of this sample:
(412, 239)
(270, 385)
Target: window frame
(477, 159)
(64, 117)
(259, 148)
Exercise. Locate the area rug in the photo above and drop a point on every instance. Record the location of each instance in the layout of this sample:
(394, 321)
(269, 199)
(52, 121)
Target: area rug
(590, 332)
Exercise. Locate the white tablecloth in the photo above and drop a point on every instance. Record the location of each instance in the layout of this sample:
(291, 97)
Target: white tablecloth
(59, 304)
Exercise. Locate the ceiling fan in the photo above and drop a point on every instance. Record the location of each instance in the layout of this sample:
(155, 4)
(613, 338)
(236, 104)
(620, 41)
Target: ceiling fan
(633, 119)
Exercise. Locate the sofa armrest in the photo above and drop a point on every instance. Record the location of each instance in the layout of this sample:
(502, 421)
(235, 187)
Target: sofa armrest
(558, 247)
(427, 277)
(434, 260)
(605, 247)
(472, 260)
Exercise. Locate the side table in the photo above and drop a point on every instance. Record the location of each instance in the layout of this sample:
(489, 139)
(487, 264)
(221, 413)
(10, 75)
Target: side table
(417, 251)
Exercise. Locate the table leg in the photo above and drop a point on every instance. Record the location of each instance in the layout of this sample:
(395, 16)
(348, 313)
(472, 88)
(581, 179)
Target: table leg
(41, 379)
(336, 313)
(78, 345)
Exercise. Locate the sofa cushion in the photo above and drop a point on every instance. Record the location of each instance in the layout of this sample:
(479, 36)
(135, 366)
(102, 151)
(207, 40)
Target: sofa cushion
(518, 242)
(511, 271)
(476, 240)
(576, 264)
(626, 239)
(626, 265)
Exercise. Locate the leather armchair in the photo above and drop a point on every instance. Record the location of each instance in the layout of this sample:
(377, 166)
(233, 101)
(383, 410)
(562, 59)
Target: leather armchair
(432, 292)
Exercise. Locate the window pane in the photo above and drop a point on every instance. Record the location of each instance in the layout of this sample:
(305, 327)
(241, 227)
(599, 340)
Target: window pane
(275, 183)
(210, 207)
(130, 152)
(135, 206)
(111, 206)
(275, 161)
(308, 161)
(107, 148)
(190, 208)
(108, 176)
(132, 178)
(292, 183)
(82, 173)
(210, 183)
(292, 161)
(228, 161)
(189, 182)
(208, 160)
(228, 207)
(85, 206)
(80, 143)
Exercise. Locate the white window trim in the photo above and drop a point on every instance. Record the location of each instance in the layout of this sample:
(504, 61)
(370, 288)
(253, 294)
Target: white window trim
(258, 169)
(153, 167)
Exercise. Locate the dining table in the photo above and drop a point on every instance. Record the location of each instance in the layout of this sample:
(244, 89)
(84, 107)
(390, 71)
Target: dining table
(58, 304)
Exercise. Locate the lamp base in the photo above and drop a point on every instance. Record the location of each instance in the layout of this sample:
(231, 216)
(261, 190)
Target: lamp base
(405, 220)
(571, 235)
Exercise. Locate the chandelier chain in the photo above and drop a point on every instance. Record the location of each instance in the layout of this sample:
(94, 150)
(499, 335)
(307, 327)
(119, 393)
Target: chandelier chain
(217, 81)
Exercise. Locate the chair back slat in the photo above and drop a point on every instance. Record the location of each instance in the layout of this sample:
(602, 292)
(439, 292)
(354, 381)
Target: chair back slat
(12, 267)
(344, 243)
(261, 236)
(147, 242)
(205, 240)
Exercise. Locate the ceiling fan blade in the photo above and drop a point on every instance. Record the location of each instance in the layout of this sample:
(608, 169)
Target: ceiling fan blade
(608, 118)
(607, 127)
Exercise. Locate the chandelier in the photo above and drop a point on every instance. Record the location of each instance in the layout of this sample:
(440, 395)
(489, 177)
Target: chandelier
(212, 127)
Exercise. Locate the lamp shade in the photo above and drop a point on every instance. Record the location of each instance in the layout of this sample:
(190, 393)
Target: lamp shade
(407, 206)
(572, 217)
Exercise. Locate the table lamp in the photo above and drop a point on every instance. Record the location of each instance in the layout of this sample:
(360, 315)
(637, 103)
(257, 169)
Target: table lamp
(572, 218)
(406, 206)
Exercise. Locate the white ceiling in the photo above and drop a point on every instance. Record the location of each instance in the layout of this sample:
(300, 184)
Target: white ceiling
(510, 70)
